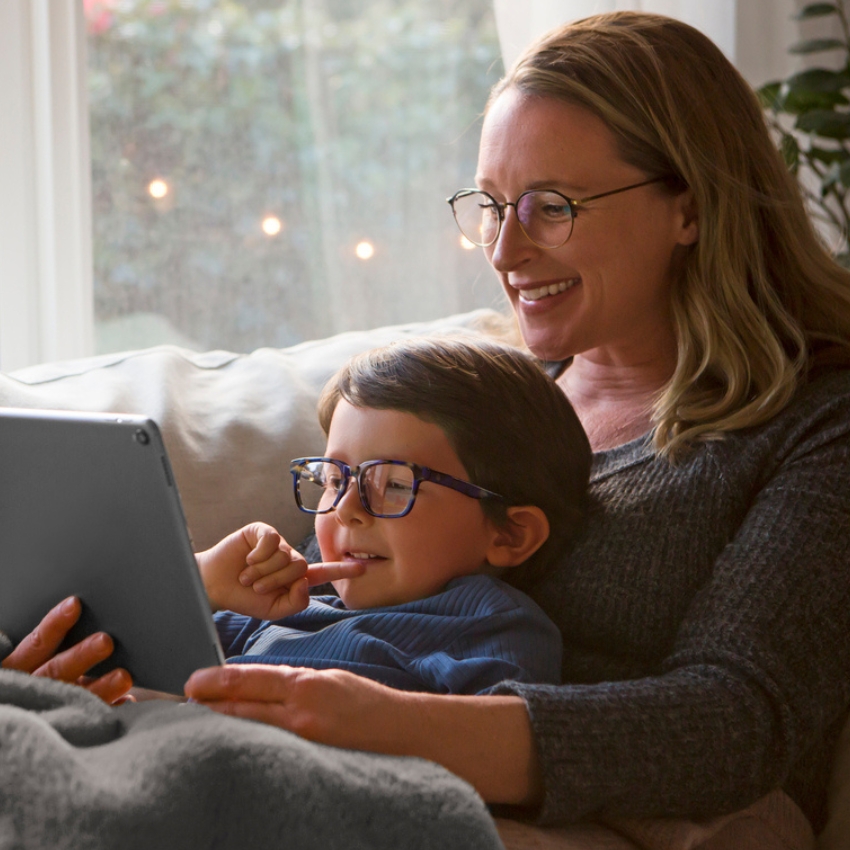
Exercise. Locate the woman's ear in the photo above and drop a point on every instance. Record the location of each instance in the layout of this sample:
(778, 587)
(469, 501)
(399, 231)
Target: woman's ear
(514, 542)
(689, 223)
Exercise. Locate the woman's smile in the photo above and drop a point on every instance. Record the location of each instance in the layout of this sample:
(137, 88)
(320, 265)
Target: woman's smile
(546, 290)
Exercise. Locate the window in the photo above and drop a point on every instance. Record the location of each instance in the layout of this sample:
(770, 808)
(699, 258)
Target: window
(269, 171)
(335, 122)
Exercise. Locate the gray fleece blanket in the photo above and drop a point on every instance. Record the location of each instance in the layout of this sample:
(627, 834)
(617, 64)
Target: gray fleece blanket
(78, 774)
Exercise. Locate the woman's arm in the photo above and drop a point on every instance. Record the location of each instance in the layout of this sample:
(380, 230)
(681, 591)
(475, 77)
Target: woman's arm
(485, 740)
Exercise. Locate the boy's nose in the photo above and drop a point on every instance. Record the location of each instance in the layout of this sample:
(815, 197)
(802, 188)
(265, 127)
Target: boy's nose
(350, 508)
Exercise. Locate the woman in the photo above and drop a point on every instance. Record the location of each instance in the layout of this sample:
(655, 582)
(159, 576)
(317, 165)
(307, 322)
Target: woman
(701, 332)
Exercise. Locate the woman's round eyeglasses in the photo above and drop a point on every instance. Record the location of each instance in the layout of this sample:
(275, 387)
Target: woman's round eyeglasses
(545, 216)
(387, 488)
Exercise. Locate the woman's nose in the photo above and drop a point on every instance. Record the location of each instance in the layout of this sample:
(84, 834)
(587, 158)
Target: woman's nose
(512, 248)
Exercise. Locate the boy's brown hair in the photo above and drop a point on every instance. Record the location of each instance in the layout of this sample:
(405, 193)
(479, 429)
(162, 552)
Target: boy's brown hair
(512, 428)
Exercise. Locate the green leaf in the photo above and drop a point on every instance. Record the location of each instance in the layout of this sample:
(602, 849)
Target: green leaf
(790, 150)
(818, 80)
(815, 88)
(828, 157)
(769, 95)
(814, 45)
(815, 10)
(822, 122)
(800, 101)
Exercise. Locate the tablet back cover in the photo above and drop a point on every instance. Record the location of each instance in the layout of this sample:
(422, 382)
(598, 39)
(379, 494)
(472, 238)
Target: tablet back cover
(89, 507)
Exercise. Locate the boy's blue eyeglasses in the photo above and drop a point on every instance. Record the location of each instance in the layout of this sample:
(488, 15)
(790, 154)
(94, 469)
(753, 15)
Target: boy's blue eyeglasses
(387, 488)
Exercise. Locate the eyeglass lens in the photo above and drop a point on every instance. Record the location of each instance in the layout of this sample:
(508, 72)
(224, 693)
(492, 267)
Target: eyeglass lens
(546, 217)
(385, 488)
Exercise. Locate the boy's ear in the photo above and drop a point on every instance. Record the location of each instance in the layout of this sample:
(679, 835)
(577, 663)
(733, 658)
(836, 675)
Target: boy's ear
(525, 531)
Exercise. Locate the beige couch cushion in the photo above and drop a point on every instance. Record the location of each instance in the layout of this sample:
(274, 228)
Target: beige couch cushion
(231, 422)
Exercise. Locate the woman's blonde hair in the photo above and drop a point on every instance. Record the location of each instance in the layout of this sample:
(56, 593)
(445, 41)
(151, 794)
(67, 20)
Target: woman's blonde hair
(758, 297)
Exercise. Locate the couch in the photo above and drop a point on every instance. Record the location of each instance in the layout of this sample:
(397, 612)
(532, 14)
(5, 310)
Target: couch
(231, 422)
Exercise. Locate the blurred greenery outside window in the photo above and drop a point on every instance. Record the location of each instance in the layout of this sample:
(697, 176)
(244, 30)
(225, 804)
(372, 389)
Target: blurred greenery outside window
(271, 171)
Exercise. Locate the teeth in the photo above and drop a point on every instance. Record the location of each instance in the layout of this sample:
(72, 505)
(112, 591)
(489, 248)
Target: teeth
(361, 556)
(544, 291)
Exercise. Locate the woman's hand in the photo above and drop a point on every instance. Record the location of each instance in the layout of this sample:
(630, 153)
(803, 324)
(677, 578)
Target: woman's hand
(255, 572)
(37, 654)
(330, 706)
(486, 740)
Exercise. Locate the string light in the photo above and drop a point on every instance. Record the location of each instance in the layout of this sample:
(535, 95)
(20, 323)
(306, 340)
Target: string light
(272, 225)
(158, 188)
(365, 250)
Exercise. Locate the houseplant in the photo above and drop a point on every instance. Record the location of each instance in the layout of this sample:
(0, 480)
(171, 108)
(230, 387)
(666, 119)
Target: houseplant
(810, 112)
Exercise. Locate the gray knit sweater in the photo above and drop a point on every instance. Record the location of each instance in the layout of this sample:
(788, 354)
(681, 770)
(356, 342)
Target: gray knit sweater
(706, 623)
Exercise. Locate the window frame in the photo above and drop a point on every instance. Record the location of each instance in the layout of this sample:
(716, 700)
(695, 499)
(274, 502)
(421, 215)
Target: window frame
(46, 290)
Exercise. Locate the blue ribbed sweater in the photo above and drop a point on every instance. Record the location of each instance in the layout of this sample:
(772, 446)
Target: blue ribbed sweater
(477, 632)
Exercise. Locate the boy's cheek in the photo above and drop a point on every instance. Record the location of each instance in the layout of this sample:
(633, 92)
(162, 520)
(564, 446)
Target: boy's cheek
(324, 537)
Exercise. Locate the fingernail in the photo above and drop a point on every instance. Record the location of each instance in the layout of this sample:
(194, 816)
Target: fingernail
(69, 605)
(244, 580)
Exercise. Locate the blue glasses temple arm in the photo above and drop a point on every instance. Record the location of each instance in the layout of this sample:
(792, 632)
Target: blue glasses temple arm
(456, 484)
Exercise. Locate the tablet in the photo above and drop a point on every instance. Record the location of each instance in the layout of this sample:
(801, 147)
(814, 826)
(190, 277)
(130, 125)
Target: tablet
(89, 507)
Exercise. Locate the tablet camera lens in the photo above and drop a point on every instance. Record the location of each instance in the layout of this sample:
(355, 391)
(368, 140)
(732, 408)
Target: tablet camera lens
(141, 436)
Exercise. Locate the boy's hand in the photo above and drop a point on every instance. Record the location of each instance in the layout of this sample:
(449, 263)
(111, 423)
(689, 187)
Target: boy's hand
(255, 572)
(259, 552)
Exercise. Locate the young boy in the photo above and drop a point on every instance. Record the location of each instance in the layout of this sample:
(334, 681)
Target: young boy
(418, 546)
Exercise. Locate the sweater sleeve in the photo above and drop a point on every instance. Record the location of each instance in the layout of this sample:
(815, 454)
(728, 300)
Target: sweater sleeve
(745, 689)
(234, 630)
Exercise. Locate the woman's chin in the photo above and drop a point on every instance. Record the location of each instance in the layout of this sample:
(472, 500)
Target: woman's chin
(544, 343)
(545, 336)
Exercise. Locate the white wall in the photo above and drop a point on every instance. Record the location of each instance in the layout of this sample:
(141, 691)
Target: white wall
(754, 34)
(765, 32)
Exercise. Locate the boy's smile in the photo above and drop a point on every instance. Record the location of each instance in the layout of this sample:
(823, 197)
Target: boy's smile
(444, 536)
